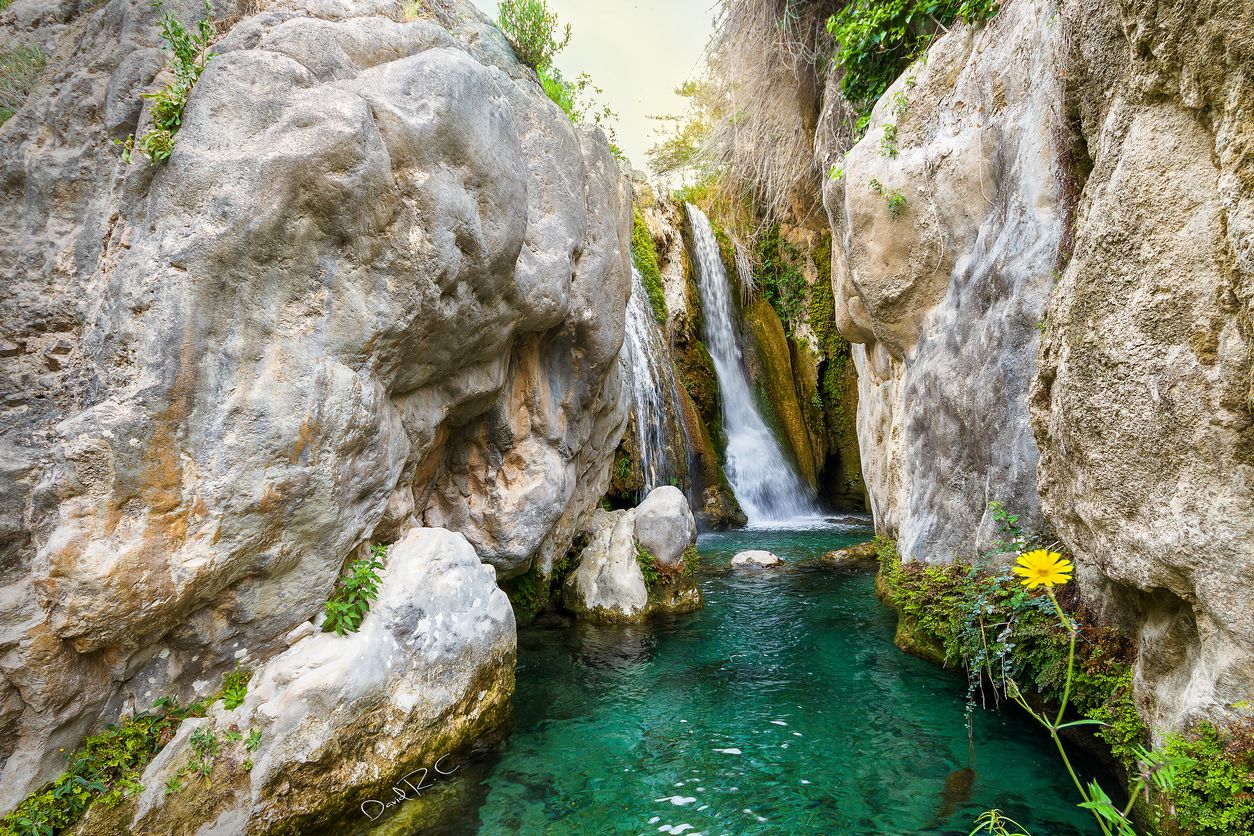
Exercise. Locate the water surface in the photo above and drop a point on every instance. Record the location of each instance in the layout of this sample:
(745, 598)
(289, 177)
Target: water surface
(782, 707)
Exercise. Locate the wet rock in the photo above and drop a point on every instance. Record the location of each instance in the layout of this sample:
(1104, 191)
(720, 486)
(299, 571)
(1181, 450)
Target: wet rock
(665, 525)
(859, 557)
(756, 559)
(608, 583)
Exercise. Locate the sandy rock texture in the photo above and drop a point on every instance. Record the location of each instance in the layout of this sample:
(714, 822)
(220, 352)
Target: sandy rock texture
(379, 284)
(1060, 317)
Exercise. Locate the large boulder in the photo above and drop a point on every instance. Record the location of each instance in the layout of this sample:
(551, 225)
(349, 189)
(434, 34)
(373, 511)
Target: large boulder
(608, 584)
(380, 282)
(665, 526)
(430, 671)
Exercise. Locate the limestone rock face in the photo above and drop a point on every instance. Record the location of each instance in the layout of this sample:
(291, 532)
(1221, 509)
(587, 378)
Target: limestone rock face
(381, 280)
(1060, 317)
(665, 526)
(431, 669)
(942, 302)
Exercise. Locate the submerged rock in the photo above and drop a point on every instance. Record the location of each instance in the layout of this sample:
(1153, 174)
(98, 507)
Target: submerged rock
(861, 556)
(756, 559)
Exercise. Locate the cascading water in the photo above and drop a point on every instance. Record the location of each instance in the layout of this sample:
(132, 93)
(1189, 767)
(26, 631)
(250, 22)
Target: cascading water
(767, 487)
(653, 388)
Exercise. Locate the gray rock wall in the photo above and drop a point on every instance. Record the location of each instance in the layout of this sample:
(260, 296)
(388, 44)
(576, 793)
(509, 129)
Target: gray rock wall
(1060, 318)
(381, 282)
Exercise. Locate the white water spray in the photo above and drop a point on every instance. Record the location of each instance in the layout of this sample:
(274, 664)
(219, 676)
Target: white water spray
(766, 486)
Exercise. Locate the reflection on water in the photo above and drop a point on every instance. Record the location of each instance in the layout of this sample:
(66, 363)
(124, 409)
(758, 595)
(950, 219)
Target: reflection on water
(782, 707)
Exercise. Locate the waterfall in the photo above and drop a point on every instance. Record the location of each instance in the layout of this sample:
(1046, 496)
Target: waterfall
(654, 395)
(767, 487)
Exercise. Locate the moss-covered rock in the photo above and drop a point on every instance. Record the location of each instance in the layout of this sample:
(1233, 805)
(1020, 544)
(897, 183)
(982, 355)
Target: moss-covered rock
(776, 378)
(644, 254)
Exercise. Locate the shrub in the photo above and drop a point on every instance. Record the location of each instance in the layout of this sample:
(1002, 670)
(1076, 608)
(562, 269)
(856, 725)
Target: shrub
(644, 254)
(20, 67)
(877, 40)
(533, 31)
(349, 603)
(189, 54)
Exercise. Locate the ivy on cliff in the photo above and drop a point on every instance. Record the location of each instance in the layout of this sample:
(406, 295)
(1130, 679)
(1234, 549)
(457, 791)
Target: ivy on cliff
(877, 39)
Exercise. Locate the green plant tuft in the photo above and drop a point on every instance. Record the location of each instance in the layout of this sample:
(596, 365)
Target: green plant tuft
(349, 603)
(20, 67)
(648, 567)
(781, 280)
(189, 54)
(235, 687)
(533, 31)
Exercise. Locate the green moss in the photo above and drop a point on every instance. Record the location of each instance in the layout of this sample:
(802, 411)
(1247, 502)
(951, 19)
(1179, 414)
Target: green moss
(948, 611)
(691, 560)
(777, 380)
(780, 278)
(644, 253)
(528, 593)
(1214, 795)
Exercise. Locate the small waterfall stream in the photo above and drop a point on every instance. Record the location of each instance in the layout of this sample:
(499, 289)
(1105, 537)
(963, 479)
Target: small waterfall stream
(767, 487)
(654, 396)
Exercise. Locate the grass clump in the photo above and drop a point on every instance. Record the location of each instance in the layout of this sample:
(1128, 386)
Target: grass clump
(877, 39)
(189, 55)
(21, 65)
(349, 603)
(644, 254)
(648, 567)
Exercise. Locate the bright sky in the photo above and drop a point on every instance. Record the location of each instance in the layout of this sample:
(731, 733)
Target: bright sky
(638, 52)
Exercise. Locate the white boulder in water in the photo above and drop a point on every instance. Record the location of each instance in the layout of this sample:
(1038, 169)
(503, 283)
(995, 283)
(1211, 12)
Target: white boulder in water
(608, 583)
(665, 525)
(756, 558)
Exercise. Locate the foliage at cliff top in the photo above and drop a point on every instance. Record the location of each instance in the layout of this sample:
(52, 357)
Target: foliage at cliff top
(534, 31)
(877, 39)
(644, 254)
(189, 54)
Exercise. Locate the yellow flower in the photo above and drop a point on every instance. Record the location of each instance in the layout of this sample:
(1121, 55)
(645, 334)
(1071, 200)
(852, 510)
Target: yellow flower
(1040, 567)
